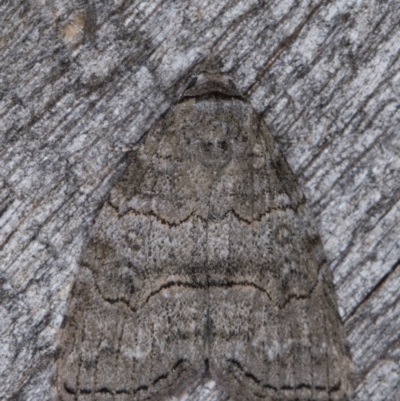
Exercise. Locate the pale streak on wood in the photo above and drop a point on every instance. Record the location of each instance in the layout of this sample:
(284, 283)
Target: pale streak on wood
(331, 100)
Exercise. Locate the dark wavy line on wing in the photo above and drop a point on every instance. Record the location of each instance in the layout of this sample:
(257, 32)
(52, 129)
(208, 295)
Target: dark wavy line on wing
(106, 390)
(292, 206)
(299, 386)
(170, 284)
(227, 284)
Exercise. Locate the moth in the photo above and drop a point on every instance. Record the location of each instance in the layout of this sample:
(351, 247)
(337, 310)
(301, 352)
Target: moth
(204, 262)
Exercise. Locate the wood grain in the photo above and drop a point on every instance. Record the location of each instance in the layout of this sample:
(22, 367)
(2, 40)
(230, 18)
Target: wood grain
(325, 76)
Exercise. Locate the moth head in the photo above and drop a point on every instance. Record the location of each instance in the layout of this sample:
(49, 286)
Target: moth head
(210, 82)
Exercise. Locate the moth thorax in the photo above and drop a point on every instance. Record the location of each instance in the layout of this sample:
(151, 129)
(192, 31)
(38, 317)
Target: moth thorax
(215, 149)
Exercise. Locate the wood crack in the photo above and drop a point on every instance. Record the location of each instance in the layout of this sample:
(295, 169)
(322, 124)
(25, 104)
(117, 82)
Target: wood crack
(376, 288)
(281, 47)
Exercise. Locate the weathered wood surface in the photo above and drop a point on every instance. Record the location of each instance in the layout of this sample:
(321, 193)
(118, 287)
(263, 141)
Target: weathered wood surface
(81, 83)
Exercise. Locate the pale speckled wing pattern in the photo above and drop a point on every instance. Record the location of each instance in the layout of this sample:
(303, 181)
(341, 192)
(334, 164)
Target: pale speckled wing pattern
(204, 261)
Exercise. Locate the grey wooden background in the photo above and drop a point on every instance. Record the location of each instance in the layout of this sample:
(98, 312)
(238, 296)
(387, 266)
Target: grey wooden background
(81, 82)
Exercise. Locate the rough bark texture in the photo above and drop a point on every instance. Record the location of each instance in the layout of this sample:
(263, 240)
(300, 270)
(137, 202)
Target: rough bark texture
(81, 82)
